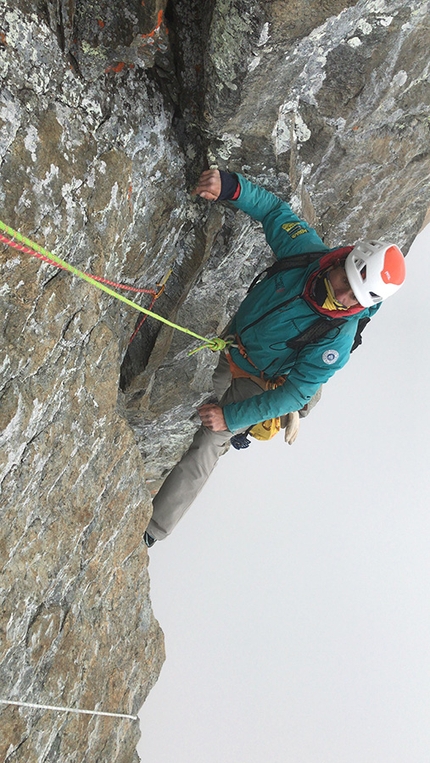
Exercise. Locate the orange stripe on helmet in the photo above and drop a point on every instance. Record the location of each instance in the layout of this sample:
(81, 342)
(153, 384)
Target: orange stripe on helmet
(394, 270)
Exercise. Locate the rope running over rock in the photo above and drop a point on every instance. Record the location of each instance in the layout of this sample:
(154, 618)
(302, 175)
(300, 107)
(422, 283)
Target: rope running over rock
(67, 709)
(30, 247)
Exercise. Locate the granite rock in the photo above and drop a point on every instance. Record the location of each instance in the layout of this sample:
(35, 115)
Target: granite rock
(108, 114)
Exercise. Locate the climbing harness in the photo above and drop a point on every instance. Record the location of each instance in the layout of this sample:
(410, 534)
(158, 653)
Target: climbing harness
(11, 238)
(264, 430)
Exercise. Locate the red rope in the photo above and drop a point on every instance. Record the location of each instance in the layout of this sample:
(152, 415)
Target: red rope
(142, 320)
(27, 250)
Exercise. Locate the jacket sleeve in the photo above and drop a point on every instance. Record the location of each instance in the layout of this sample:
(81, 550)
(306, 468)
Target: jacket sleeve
(285, 233)
(315, 365)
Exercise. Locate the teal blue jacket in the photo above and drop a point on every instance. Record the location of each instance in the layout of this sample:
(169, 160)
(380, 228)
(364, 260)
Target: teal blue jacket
(264, 333)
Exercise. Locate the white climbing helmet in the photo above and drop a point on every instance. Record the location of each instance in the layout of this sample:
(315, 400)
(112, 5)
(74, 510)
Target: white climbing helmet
(375, 270)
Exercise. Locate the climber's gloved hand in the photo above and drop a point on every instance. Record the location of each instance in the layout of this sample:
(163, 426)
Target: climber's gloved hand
(292, 427)
(217, 185)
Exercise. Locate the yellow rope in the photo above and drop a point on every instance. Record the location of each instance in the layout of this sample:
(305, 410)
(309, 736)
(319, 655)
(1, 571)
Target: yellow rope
(215, 344)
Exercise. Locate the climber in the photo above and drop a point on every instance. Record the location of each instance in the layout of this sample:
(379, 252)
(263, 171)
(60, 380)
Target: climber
(293, 331)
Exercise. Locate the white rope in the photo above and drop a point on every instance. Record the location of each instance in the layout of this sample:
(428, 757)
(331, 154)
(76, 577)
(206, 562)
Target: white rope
(67, 709)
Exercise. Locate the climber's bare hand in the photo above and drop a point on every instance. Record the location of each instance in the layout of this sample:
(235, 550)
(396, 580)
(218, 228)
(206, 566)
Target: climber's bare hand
(212, 417)
(209, 185)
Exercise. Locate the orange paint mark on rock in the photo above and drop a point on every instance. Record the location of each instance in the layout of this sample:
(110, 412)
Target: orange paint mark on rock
(3, 38)
(118, 68)
(100, 23)
(159, 23)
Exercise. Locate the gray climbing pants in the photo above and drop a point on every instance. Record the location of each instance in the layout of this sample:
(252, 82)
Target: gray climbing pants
(186, 480)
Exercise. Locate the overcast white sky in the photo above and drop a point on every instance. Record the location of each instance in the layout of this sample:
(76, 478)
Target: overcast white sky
(294, 596)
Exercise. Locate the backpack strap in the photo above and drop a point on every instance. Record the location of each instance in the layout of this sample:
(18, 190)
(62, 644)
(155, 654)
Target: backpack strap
(314, 332)
(287, 263)
(362, 323)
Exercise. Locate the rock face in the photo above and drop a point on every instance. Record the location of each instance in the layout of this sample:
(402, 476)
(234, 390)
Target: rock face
(108, 114)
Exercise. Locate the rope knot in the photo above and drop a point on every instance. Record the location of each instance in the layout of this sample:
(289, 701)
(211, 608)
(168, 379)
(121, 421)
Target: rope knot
(217, 344)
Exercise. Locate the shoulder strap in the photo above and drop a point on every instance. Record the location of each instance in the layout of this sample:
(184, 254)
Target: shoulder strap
(314, 332)
(287, 263)
(362, 323)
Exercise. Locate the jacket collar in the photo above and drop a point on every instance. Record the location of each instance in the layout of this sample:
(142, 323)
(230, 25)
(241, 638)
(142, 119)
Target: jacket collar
(331, 259)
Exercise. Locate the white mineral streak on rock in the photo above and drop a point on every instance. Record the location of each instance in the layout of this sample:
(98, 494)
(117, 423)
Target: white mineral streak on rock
(17, 28)
(13, 262)
(374, 6)
(42, 189)
(36, 418)
(31, 141)
(13, 432)
(385, 20)
(4, 64)
(264, 36)
(364, 26)
(255, 61)
(91, 178)
(282, 131)
(289, 125)
(400, 79)
(229, 142)
(24, 201)
(354, 42)
(10, 112)
(301, 129)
